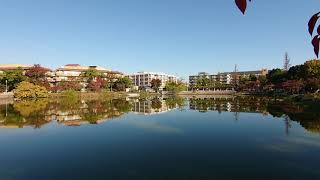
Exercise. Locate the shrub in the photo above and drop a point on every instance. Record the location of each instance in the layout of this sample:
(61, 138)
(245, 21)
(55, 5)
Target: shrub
(29, 90)
(97, 85)
(67, 85)
(70, 94)
(2, 88)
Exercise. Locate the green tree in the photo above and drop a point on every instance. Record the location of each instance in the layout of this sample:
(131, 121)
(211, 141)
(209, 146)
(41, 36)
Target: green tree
(13, 78)
(122, 83)
(175, 86)
(263, 80)
(91, 74)
(312, 69)
(297, 72)
(252, 77)
(276, 76)
(202, 83)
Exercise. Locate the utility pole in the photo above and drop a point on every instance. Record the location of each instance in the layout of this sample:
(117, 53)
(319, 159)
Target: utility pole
(286, 63)
(235, 75)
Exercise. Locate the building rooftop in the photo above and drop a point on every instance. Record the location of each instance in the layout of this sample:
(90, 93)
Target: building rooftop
(14, 66)
(78, 67)
(153, 73)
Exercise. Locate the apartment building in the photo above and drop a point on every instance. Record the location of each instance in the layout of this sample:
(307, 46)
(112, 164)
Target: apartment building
(68, 72)
(143, 79)
(73, 72)
(225, 77)
(147, 108)
(8, 67)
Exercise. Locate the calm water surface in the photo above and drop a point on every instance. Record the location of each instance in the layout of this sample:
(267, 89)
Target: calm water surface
(161, 138)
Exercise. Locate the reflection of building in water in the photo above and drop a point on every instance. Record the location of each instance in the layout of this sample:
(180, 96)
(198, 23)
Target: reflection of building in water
(227, 104)
(150, 107)
(38, 113)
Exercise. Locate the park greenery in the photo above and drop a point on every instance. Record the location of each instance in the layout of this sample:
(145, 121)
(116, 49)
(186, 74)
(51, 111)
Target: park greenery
(12, 77)
(175, 87)
(205, 83)
(28, 90)
(299, 79)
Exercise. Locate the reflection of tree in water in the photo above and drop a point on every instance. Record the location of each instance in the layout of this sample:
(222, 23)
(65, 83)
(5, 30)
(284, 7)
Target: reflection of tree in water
(10, 117)
(156, 103)
(307, 114)
(72, 111)
(173, 102)
(231, 104)
(25, 113)
(99, 110)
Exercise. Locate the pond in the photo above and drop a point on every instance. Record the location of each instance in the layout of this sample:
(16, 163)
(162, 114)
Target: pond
(160, 138)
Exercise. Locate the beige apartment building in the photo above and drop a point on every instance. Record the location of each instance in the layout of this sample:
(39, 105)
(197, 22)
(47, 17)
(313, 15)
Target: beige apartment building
(68, 72)
(225, 77)
(8, 67)
(73, 72)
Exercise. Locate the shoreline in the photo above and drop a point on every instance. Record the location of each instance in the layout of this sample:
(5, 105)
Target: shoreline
(185, 94)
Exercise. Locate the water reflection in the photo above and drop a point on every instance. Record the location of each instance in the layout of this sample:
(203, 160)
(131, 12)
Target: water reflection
(76, 112)
(157, 105)
(71, 112)
(307, 114)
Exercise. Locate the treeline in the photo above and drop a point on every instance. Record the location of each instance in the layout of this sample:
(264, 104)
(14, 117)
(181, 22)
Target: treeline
(299, 79)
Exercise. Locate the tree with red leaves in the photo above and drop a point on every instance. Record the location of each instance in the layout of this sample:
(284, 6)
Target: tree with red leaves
(292, 86)
(37, 76)
(155, 84)
(242, 5)
(67, 85)
(97, 85)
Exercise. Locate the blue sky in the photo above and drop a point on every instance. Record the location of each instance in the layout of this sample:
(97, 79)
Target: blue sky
(179, 37)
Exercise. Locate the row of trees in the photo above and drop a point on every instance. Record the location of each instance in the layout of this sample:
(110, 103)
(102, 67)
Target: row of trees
(175, 87)
(304, 78)
(171, 86)
(205, 83)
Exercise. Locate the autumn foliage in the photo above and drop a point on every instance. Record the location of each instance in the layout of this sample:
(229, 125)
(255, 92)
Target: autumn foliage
(28, 90)
(37, 76)
(97, 85)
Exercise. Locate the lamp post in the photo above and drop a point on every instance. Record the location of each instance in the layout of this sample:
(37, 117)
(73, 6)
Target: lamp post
(6, 86)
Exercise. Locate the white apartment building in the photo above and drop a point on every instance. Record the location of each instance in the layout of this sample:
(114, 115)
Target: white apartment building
(145, 107)
(143, 79)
